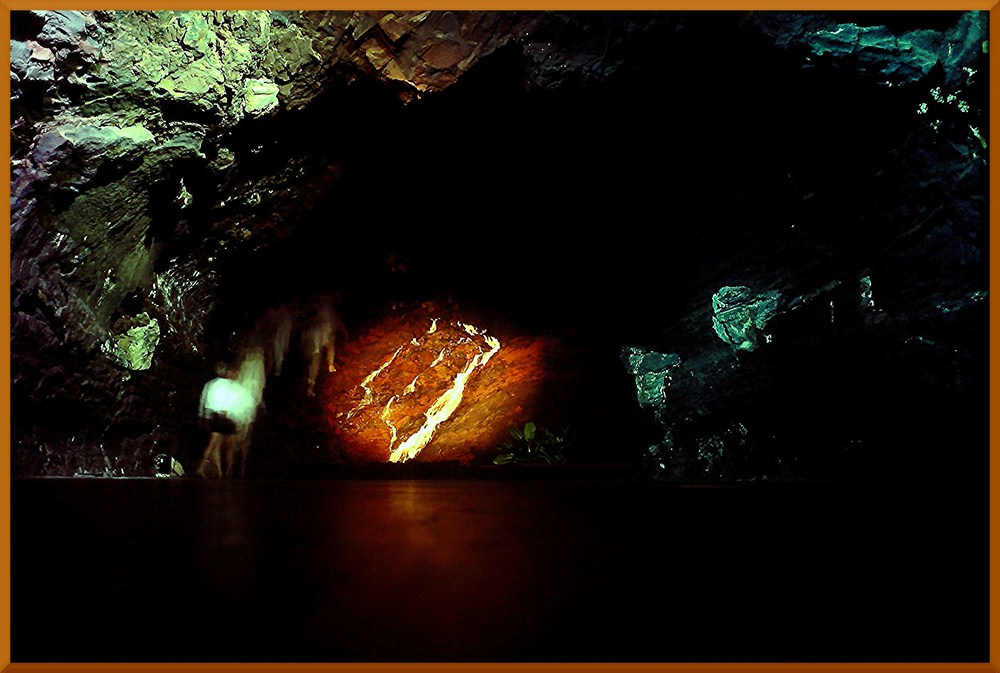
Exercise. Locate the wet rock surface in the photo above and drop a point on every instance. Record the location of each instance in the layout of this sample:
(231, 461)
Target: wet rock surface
(397, 376)
(133, 342)
(194, 166)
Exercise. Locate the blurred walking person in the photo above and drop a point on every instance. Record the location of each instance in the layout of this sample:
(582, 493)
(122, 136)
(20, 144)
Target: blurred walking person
(226, 410)
(322, 328)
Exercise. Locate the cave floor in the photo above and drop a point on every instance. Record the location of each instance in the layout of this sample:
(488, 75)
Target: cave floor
(588, 569)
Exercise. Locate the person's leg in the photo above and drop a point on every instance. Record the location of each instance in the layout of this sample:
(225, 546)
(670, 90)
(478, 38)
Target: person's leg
(245, 450)
(213, 447)
(216, 455)
(229, 445)
(313, 373)
(281, 341)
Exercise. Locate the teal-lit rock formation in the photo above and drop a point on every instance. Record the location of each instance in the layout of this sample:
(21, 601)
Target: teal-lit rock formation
(652, 372)
(740, 316)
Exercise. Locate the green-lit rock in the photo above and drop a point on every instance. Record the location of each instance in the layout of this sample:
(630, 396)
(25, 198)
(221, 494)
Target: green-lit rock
(893, 57)
(740, 315)
(842, 39)
(74, 152)
(109, 140)
(652, 372)
(198, 32)
(133, 342)
(30, 62)
(878, 38)
(260, 96)
(200, 83)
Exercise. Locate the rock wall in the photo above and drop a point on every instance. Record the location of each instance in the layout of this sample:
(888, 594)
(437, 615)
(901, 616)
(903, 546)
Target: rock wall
(155, 152)
(145, 156)
(856, 342)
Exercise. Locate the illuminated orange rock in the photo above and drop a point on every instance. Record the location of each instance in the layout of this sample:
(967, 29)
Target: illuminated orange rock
(426, 385)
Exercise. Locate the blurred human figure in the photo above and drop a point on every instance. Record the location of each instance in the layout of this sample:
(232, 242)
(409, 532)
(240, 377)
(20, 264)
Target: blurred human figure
(319, 337)
(275, 333)
(251, 376)
(226, 410)
(251, 373)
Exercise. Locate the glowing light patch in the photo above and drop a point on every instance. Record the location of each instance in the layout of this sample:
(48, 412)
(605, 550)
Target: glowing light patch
(444, 406)
(452, 397)
(366, 384)
(439, 364)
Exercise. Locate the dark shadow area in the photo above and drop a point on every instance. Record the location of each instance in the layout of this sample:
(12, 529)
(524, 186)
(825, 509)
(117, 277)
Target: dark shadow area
(566, 570)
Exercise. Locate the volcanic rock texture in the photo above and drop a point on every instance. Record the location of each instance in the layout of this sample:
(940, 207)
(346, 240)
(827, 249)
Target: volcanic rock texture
(722, 245)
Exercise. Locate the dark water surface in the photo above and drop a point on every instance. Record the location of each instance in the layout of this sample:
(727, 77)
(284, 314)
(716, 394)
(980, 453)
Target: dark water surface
(495, 570)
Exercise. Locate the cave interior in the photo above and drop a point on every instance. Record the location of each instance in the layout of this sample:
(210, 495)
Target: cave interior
(597, 203)
(713, 249)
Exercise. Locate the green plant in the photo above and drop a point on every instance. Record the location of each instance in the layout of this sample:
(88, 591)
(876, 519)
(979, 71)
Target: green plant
(533, 445)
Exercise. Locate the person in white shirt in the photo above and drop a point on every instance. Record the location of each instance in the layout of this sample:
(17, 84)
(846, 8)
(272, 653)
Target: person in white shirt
(226, 410)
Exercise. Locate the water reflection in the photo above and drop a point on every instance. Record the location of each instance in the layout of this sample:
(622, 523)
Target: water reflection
(413, 570)
(431, 566)
(224, 545)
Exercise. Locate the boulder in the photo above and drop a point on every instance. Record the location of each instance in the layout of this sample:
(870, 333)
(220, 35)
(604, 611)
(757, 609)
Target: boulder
(740, 316)
(133, 342)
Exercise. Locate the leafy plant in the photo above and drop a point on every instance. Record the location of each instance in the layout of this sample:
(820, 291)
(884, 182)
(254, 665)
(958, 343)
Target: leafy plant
(533, 445)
